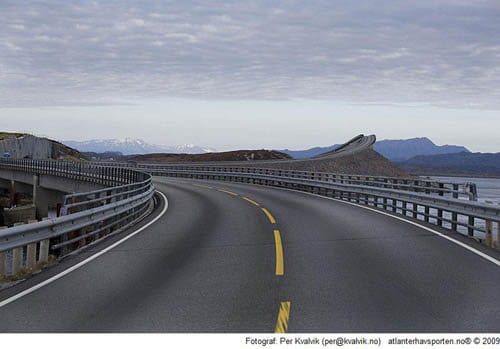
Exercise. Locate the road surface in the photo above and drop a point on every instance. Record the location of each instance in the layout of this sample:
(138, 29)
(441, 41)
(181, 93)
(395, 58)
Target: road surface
(228, 257)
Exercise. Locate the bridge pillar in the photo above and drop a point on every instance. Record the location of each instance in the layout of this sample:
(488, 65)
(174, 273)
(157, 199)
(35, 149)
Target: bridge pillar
(45, 199)
(12, 193)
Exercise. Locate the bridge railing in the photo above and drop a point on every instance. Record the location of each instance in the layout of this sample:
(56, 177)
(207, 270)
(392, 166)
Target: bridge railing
(467, 190)
(85, 217)
(477, 220)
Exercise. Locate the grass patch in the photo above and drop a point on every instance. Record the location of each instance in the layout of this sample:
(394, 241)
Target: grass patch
(6, 135)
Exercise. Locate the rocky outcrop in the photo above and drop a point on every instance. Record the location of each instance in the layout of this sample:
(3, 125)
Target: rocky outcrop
(25, 146)
(365, 162)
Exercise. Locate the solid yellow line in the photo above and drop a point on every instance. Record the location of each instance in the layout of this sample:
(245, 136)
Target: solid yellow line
(203, 186)
(269, 215)
(280, 265)
(251, 201)
(283, 316)
(227, 192)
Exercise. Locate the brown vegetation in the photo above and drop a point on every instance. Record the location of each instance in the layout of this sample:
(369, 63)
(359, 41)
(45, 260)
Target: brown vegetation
(237, 155)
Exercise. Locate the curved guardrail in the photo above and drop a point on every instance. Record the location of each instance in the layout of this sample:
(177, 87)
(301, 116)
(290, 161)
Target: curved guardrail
(410, 197)
(415, 184)
(85, 217)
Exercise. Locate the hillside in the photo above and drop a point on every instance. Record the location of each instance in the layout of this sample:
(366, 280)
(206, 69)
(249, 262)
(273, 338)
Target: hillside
(238, 155)
(26, 146)
(394, 150)
(309, 153)
(477, 164)
(365, 162)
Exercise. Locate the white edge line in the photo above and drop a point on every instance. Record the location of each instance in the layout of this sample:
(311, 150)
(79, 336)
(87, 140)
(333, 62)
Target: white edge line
(461, 244)
(88, 260)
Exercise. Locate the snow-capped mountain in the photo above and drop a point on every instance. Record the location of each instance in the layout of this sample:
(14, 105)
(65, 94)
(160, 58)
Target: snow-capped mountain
(129, 146)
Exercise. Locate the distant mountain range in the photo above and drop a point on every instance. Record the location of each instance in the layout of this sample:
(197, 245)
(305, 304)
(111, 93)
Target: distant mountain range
(404, 149)
(130, 146)
(464, 163)
(394, 150)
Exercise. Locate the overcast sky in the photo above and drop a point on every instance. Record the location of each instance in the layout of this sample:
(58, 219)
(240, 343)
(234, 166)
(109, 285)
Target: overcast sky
(252, 74)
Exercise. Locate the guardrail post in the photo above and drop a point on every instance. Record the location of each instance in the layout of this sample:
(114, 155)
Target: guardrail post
(31, 253)
(427, 184)
(44, 251)
(415, 211)
(489, 233)
(496, 238)
(17, 257)
(471, 226)
(427, 212)
(415, 186)
(404, 210)
(2, 260)
(454, 218)
(455, 191)
(473, 192)
(440, 217)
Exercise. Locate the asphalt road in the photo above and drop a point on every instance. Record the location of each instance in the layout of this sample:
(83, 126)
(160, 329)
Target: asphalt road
(216, 262)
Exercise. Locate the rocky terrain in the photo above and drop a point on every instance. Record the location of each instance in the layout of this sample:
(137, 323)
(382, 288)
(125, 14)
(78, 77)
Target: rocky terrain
(26, 146)
(365, 162)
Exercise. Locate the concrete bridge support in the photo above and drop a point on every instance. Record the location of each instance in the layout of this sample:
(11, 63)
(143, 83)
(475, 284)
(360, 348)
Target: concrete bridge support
(47, 190)
(45, 200)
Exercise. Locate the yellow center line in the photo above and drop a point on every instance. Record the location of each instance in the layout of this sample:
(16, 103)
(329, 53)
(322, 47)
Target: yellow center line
(203, 186)
(283, 316)
(269, 215)
(280, 264)
(227, 192)
(251, 201)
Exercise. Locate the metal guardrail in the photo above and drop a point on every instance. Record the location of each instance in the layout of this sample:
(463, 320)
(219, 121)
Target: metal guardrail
(477, 220)
(419, 185)
(85, 217)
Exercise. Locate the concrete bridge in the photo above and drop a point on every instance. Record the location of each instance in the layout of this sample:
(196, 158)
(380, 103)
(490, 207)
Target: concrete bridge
(235, 249)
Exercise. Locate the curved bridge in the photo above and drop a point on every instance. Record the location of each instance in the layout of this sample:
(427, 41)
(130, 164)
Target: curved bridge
(257, 250)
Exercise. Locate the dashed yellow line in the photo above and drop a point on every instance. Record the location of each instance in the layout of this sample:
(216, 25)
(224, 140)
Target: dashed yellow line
(203, 186)
(251, 201)
(227, 192)
(269, 216)
(280, 264)
(283, 316)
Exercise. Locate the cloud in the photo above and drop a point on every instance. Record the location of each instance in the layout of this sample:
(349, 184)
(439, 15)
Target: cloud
(444, 53)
